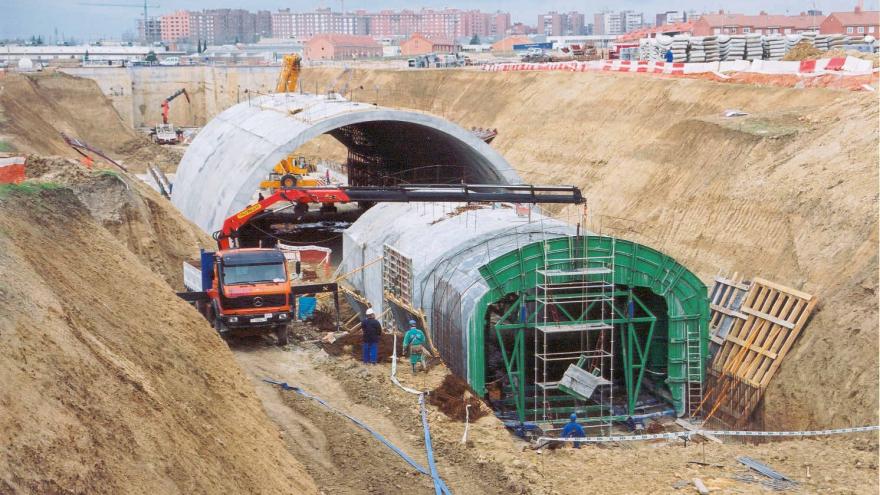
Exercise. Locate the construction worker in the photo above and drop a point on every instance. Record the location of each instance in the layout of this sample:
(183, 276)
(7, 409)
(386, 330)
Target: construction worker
(372, 331)
(573, 430)
(414, 342)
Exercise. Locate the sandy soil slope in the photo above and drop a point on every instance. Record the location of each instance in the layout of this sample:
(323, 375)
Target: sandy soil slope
(36, 108)
(788, 193)
(110, 383)
(149, 226)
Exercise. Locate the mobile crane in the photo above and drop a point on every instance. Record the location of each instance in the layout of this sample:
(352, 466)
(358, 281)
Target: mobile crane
(165, 133)
(242, 289)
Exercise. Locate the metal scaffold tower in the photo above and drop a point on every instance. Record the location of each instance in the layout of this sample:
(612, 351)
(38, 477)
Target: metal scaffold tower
(574, 335)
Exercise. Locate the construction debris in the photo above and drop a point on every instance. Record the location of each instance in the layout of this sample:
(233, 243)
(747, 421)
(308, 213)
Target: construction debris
(762, 468)
(701, 488)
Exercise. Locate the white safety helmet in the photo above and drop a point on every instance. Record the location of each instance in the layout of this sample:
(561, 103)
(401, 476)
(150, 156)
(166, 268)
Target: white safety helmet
(370, 312)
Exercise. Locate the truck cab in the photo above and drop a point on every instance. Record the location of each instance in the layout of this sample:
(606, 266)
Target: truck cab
(248, 291)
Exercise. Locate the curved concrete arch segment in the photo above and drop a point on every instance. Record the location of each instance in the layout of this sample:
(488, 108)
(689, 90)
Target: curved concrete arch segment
(223, 166)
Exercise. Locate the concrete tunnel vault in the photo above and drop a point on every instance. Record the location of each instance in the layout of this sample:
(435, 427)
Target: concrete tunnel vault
(463, 270)
(223, 166)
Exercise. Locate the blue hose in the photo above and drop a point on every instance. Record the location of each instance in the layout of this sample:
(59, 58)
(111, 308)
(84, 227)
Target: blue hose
(437, 481)
(439, 485)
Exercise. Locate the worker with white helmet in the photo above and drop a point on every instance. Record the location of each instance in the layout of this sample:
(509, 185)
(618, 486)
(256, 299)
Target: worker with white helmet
(372, 332)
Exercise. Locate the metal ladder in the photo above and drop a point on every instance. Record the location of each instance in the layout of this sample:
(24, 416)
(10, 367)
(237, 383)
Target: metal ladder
(695, 369)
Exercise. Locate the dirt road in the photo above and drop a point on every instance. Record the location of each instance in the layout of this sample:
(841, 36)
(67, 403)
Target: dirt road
(344, 459)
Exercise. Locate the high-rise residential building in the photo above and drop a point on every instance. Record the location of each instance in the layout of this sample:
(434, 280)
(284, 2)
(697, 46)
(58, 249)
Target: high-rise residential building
(632, 20)
(622, 22)
(264, 24)
(671, 17)
(607, 23)
(499, 24)
(393, 23)
(149, 31)
(218, 26)
(202, 28)
(304, 25)
(550, 24)
(575, 24)
(175, 26)
(561, 24)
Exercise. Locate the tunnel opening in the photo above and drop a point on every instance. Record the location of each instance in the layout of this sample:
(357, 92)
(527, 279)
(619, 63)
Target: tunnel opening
(229, 158)
(387, 153)
(636, 339)
(381, 153)
(607, 329)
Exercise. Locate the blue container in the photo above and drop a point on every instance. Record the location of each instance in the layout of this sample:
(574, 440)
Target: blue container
(207, 258)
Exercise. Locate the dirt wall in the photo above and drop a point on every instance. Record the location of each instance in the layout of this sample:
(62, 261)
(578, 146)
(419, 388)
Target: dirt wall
(36, 108)
(112, 384)
(137, 92)
(788, 193)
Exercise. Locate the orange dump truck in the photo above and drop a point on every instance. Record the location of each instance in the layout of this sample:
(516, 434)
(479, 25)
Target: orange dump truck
(243, 291)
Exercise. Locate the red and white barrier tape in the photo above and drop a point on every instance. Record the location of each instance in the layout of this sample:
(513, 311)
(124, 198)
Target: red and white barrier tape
(845, 66)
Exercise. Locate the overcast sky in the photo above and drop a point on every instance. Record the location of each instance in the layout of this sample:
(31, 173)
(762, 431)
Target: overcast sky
(23, 18)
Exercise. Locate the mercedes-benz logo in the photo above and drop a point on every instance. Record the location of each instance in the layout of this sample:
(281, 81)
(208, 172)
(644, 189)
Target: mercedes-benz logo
(258, 301)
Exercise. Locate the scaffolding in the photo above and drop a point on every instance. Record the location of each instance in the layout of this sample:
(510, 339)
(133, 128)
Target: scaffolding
(574, 297)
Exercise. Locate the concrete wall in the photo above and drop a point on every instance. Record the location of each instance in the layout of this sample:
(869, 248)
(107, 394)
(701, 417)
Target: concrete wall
(137, 92)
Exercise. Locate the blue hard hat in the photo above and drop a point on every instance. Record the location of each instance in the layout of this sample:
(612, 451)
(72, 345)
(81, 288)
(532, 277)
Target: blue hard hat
(573, 417)
(412, 322)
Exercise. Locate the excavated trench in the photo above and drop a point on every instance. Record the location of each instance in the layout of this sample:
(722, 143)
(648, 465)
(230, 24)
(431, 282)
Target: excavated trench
(444, 250)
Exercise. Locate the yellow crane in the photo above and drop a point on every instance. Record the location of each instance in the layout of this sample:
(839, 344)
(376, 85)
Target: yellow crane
(290, 171)
(289, 74)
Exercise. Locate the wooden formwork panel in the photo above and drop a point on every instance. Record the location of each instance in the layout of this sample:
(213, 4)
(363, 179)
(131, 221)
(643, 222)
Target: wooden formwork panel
(397, 274)
(755, 345)
(725, 301)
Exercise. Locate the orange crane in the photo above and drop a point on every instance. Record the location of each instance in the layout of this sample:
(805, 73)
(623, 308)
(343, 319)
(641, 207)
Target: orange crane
(242, 289)
(167, 101)
(165, 133)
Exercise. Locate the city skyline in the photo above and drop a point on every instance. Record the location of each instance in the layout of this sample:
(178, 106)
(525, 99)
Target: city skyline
(56, 20)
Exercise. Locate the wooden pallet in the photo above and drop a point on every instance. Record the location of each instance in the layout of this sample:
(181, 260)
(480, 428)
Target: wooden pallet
(754, 348)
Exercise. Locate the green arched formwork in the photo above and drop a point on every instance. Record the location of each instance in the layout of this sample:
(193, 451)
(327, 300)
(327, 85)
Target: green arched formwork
(635, 265)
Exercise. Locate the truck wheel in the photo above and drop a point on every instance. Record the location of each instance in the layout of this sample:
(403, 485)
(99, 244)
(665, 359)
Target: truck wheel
(288, 181)
(282, 333)
(216, 320)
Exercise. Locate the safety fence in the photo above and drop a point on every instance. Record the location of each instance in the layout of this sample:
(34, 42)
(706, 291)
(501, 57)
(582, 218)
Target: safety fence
(12, 169)
(845, 66)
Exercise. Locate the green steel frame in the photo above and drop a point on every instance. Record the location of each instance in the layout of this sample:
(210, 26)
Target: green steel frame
(629, 342)
(636, 265)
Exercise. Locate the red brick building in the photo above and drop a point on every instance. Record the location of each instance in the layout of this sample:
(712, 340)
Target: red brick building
(341, 47)
(763, 23)
(175, 27)
(420, 45)
(506, 45)
(855, 23)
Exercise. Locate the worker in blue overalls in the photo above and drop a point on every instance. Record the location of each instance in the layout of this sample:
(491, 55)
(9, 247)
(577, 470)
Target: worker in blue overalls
(573, 430)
